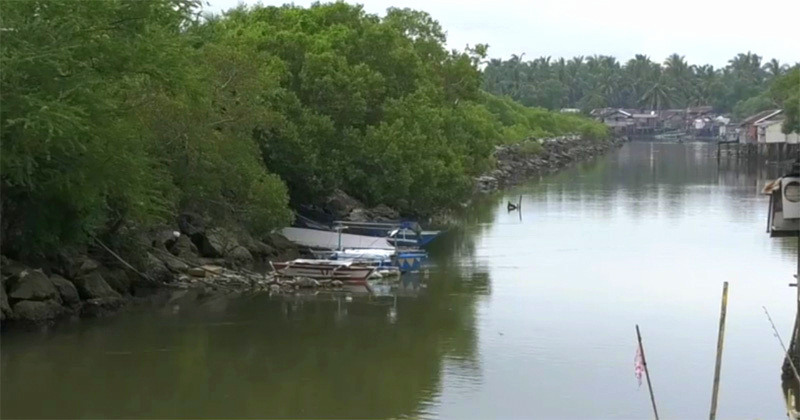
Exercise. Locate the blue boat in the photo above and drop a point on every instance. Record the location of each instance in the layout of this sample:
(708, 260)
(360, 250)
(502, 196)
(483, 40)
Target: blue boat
(400, 234)
(404, 260)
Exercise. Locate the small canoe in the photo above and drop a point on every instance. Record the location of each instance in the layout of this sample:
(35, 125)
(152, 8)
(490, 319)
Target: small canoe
(346, 271)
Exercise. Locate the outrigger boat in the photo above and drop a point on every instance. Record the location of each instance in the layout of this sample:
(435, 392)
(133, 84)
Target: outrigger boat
(398, 234)
(345, 271)
(387, 262)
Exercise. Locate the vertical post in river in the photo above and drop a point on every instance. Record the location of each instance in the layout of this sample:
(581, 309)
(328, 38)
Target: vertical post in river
(720, 340)
(646, 371)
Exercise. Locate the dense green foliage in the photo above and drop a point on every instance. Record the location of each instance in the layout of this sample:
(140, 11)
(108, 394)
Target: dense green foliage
(120, 112)
(107, 119)
(785, 91)
(602, 81)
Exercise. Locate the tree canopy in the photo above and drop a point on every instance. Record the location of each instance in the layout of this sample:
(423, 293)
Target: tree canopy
(601, 81)
(120, 113)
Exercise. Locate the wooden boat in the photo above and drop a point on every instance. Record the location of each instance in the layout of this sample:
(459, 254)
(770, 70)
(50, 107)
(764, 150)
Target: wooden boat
(346, 271)
(385, 260)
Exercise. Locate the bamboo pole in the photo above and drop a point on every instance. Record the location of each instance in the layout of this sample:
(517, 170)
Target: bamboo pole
(646, 371)
(720, 340)
(785, 350)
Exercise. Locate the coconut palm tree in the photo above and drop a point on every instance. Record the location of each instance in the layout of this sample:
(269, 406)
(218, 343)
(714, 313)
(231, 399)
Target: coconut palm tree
(659, 95)
(773, 68)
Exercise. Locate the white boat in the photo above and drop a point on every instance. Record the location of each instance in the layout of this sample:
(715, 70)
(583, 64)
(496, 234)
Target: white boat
(322, 239)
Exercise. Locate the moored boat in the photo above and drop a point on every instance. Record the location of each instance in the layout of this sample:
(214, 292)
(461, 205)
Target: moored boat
(346, 271)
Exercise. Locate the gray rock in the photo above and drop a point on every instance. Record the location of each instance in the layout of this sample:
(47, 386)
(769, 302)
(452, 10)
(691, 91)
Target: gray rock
(217, 242)
(11, 269)
(118, 279)
(382, 212)
(93, 286)
(163, 239)
(156, 270)
(37, 311)
(191, 224)
(184, 248)
(173, 264)
(306, 283)
(239, 255)
(67, 290)
(33, 285)
(87, 265)
(340, 204)
(279, 242)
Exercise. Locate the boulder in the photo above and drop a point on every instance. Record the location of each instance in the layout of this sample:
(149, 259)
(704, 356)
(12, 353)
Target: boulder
(95, 308)
(358, 215)
(67, 290)
(11, 269)
(191, 224)
(118, 279)
(173, 264)
(306, 282)
(37, 311)
(156, 270)
(93, 286)
(340, 205)
(382, 212)
(217, 242)
(256, 247)
(33, 285)
(279, 242)
(164, 239)
(184, 248)
(239, 255)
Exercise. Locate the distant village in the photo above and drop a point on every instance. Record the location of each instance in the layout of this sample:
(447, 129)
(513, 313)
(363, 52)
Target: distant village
(699, 122)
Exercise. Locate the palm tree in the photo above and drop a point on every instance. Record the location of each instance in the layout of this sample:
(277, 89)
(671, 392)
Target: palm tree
(773, 68)
(659, 95)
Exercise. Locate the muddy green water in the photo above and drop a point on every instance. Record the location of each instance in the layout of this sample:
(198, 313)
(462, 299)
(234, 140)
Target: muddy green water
(525, 315)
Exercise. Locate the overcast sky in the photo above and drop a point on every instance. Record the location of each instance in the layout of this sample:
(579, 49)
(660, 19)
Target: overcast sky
(705, 31)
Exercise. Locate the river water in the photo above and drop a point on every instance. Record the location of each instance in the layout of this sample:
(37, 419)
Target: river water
(525, 314)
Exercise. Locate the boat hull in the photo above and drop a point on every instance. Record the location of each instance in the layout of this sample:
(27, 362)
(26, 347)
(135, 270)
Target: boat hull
(346, 273)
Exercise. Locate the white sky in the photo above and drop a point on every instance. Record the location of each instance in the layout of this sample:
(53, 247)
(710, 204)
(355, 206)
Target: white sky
(705, 31)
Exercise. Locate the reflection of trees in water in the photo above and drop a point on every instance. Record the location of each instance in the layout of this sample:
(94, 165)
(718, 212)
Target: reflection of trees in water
(254, 357)
(643, 178)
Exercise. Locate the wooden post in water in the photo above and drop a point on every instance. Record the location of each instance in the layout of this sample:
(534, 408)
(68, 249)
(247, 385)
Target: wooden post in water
(646, 371)
(720, 339)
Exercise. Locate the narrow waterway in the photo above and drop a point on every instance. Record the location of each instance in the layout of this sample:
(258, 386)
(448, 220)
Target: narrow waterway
(524, 314)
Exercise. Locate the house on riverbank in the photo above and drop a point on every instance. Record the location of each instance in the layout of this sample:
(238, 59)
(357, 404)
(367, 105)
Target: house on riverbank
(748, 131)
(770, 129)
(700, 121)
(618, 120)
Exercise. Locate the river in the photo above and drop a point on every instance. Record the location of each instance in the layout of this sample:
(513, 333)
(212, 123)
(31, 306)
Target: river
(526, 314)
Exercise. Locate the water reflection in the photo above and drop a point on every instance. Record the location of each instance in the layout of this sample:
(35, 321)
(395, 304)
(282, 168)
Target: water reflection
(249, 356)
(519, 318)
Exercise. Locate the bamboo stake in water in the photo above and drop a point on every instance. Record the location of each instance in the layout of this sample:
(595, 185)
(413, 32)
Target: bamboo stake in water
(720, 340)
(646, 371)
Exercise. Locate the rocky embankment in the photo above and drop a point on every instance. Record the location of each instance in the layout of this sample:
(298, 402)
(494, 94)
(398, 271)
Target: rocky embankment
(99, 281)
(519, 162)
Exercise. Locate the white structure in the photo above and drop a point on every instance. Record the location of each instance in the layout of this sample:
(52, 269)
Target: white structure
(769, 130)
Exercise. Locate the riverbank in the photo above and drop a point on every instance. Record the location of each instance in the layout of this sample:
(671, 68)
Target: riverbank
(192, 254)
(519, 162)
